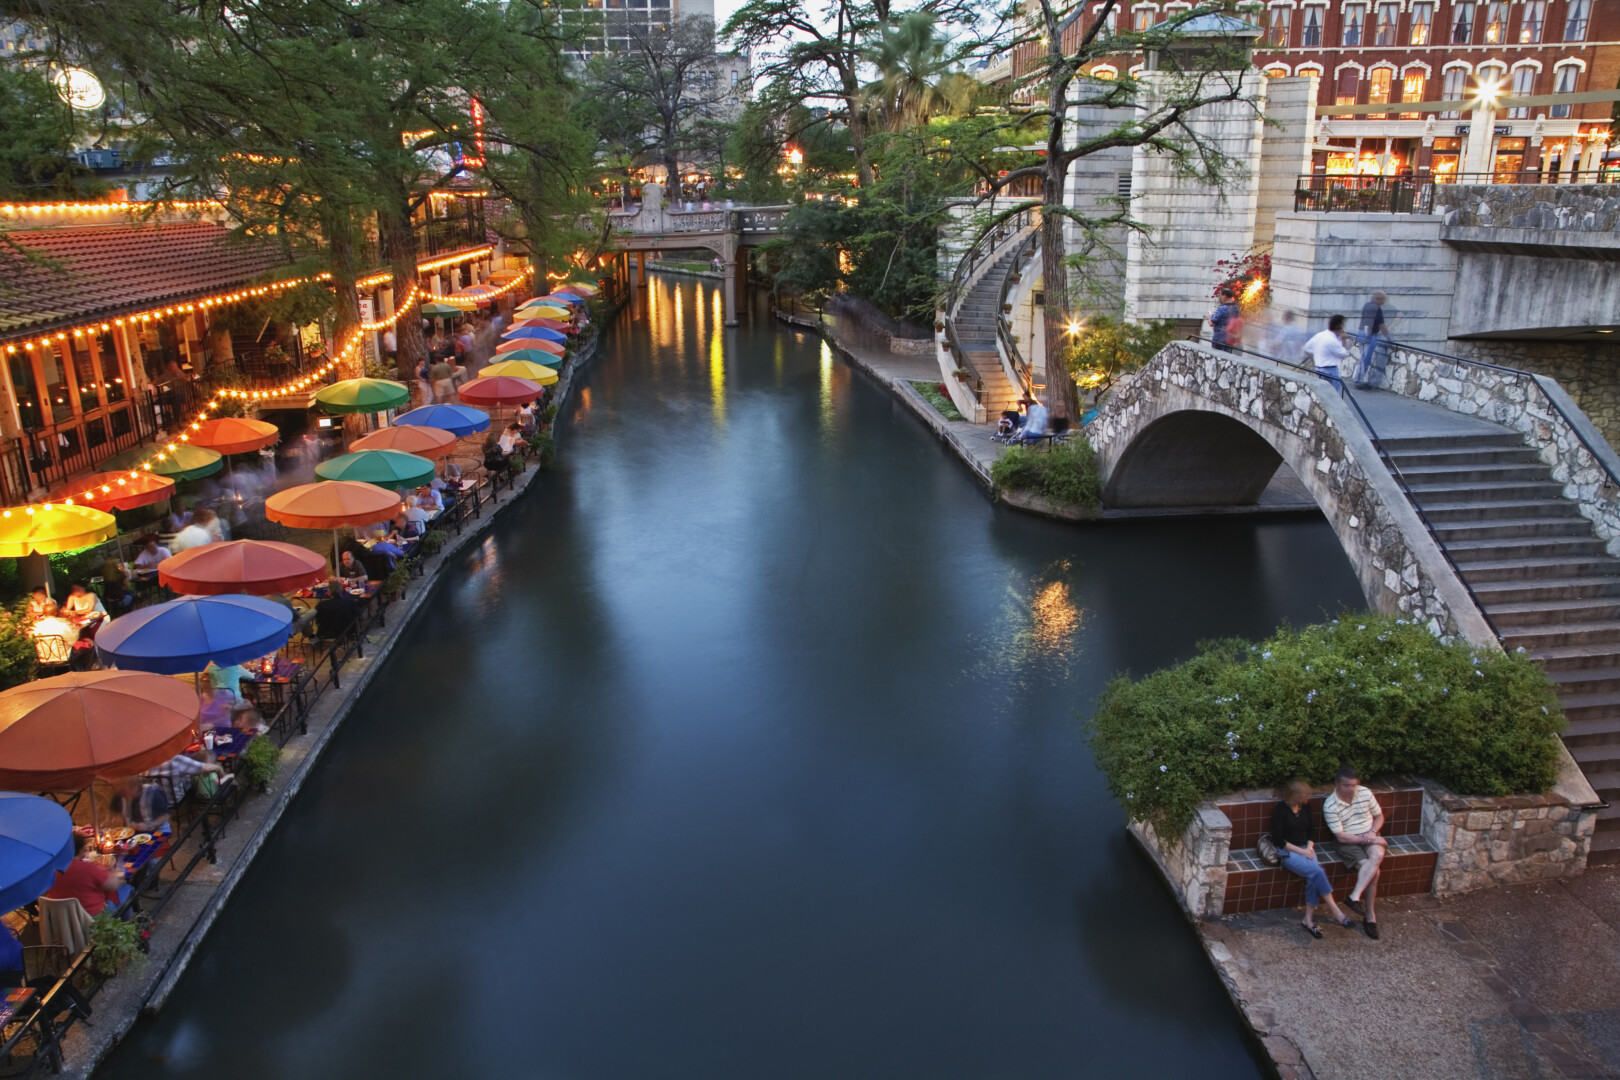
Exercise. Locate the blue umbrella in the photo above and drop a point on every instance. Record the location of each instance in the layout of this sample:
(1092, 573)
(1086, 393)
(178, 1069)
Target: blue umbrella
(545, 333)
(563, 298)
(183, 635)
(36, 840)
(456, 419)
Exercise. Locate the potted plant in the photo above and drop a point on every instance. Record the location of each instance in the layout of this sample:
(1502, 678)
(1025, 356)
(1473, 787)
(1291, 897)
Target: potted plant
(1006, 309)
(115, 942)
(962, 373)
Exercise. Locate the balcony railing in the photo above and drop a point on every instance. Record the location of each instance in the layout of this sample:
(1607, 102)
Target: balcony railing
(1413, 195)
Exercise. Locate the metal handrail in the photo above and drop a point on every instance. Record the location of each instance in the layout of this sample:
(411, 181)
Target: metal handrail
(980, 251)
(1004, 325)
(975, 383)
(1389, 463)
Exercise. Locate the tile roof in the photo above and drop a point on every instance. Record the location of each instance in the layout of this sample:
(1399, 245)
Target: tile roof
(106, 270)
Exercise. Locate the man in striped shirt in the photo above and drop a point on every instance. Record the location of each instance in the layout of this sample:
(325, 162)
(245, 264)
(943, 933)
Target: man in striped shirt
(1355, 818)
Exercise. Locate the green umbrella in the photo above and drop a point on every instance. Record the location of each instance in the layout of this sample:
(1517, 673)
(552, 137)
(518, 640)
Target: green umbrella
(184, 462)
(392, 469)
(433, 309)
(362, 396)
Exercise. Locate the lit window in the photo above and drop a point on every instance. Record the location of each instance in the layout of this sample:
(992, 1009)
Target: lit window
(1142, 19)
(1389, 18)
(1277, 32)
(1107, 74)
(1378, 90)
(1530, 22)
(1412, 88)
(1575, 21)
(1452, 88)
(1496, 16)
(1277, 72)
(1563, 83)
(1311, 28)
(1462, 23)
(1355, 16)
(1349, 84)
(1524, 84)
(1422, 19)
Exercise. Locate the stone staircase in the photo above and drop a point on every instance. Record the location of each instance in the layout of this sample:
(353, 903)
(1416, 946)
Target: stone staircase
(975, 325)
(1543, 578)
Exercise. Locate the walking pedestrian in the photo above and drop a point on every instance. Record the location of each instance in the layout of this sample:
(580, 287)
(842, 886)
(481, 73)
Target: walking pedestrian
(1221, 321)
(1374, 343)
(1326, 351)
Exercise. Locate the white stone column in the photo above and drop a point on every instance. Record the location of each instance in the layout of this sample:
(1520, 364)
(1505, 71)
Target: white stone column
(1481, 138)
(728, 293)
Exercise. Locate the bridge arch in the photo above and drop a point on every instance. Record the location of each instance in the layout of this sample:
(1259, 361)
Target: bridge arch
(1196, 427)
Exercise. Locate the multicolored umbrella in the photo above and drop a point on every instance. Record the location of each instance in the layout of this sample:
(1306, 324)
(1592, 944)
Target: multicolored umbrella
(391, 469)
(259, 567)
(184, 462)
(500, 390)
(418, 439)
(36, 840)
(564, 298)
(363, 396)
(538, 374)
(539, 332)
(51, 528)
(332, 504)
(433, 309)
(458, 420)
(583, 288)
(59, 734)
(541, 345)
(185, 634)
(542, 357)
(234, 435)
(549, 324)
(533, 310)
(116, 490)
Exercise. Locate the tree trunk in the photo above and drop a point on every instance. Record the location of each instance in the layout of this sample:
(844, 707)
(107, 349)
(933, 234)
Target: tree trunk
(338, 224)
(399, 243)
(857, 139)
(1062, 398)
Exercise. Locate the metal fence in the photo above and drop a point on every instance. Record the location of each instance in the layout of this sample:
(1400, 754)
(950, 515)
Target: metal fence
(1415, 195)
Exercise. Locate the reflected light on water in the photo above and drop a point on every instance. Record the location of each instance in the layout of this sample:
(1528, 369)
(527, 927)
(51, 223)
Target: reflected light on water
(1039, 627)
(679, 334)
(1053, 619)
(827, 362)
(717, 376)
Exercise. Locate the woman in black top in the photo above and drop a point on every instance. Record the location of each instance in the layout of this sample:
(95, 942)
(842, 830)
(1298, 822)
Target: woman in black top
(1292, 830)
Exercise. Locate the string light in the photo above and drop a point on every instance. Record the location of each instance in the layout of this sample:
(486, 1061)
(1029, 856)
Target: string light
(33, 209)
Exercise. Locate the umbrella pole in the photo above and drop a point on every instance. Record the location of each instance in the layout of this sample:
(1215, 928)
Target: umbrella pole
(334, 553)
(95, 813)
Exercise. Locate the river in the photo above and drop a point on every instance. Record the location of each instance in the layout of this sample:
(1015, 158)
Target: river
(747, 748)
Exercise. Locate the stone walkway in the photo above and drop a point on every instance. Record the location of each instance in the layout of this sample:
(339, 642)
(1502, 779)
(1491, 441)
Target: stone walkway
(1511, 983)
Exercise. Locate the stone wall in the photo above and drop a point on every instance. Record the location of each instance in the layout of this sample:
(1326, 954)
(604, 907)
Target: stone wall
(1195, 864)
(1589, 371)
(1400, 567)
(1537, 406)
(911, 346)
(1504, 841)
(1560, 207)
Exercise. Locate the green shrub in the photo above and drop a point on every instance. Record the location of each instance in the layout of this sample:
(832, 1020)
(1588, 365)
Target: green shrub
(548, 414)
(1066, 474)
(19, 660)
(936, 396)
(393, 585)
(115, 942)
(544, 448)
(1370, 691)
(432, 542)
(258, 764)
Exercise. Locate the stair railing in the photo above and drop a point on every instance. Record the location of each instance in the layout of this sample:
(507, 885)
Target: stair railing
(983, 251)
(1017, 365)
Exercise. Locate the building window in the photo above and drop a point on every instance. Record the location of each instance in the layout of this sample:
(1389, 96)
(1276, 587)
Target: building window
(1422, 19)
(1355, 15)
(1575, 21)
(1530, 23)
(1389, 17)
(1276, 71)
(1496, 17)
(1105, 73)
(1462, 23)
(1349, 84)
(1563, 83)
(1452, 88)
(1524, 84)
(1310, 35)
(1142, 19)
(1413, 85)
(1378, 82)
(1277, 30)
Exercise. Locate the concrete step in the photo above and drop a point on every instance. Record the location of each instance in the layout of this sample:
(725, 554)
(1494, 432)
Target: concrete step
(1472, 473)
(1598, 632)
(1567, 659)
(1438, 456)
(1522, 592)
(1549, 612)
(1451, 494)
(1535, 569)
(1479, 510)
(1507, 440)
(1575, 683)
(1524, 547)
(1598, 760)
(1513, 527)
(1591, 724)
(1605, 847)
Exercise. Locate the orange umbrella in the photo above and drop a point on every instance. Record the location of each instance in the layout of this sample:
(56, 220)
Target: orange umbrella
(428, 442)
(547, 324)
(109, 491)
(258, 567)
(500, 390)
(551, 347)
(331, 504)
(234, 435)
(59, 734)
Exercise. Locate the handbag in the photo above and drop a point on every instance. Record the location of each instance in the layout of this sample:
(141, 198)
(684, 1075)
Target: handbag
(1268, 850)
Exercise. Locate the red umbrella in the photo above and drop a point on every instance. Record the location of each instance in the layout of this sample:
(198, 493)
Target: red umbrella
(258, 567)
(500, 390)
(518, 345)
(59, 734)
(233, 435)
(111, 491)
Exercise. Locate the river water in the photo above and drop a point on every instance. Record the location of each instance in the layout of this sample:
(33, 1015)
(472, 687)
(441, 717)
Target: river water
(746, 749)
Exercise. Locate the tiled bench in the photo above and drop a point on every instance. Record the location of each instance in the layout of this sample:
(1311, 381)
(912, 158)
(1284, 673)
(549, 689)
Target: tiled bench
(1251, 885)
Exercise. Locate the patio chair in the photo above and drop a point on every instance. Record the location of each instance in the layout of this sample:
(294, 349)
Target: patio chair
(64, 923)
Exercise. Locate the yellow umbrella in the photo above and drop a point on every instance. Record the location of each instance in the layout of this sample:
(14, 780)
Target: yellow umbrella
(53, 527)
(545, 311)
(522, 369)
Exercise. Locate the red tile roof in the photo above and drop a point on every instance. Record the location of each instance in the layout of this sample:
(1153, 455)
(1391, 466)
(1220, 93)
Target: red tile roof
(106, 270)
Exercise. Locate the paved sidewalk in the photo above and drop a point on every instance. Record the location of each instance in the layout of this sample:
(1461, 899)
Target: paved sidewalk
(1512, 983)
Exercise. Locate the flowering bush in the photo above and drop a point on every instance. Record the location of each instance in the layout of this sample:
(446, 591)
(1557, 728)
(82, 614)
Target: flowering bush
(1372, 691)
(1247, 275)
(1066, 474)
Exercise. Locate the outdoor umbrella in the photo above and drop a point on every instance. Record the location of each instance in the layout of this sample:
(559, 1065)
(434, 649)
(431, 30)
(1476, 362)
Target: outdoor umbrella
(434, 309)
(584, 288)
(234, 435)
(546, 353)
(185, 634)
(550, 309)
(504, 277)
(116, 490)
(549, 324)
(36, 840)
(391, 469)
(500, 390)
(429, 442)
(184, 462)
(332, 504)
(51, 528)
(541, 332)
(458, 420)
(259, 567)
(528, 345)
(521, 369)
(362, 396)
(563, 298)
(59, 734)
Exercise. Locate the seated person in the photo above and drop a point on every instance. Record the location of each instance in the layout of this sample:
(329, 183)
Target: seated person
(143, 807)
(495, 458)
(176, 775)
(510, 439)
(1035, 422)
(91, 884)
(1355, 819)
(415, 516)
(337, 614)
(353, 573)
(115, 584)
(429, 499)
(228, 680)
(151, 554)
(389, 548)
(82, 606)
(246, 718)
(1011, 420)
(401, 529)
(1293, 830)
(526, 417)
(40, 605)
(213, 708)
